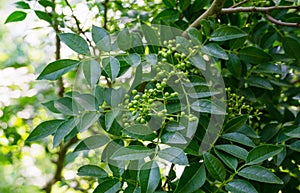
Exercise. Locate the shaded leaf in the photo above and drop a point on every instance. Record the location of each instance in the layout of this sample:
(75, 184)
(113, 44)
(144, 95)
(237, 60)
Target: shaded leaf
(92, 170)
(254, 55)
(192, 178)
(229, 160)
(234, 150)
(63, 130)
(124, 40)
(295, 133)
(214, 50)
(235, 123)
(262, 153)
(92, 71)
(224, 33)
(239, 138)
(101, 38)
(292, 48)
(259, 82)
(56, 69)
(76, 43)
(207, 106)
(92, 142)
(149, 177)
(111, 66)
(240, 186)
(260, 174)
(214, 167)
(44, 129)
(133, 152)
(173, 138)
(108, 186)
(174, 155)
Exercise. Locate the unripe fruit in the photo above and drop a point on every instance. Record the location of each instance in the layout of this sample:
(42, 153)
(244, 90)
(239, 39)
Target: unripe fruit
(134, 92)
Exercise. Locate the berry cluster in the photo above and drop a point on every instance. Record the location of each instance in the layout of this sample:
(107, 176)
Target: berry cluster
(238, 106)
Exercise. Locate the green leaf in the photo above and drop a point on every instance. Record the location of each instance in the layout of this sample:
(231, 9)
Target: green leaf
(139, 130)
(207, 106)
(44, 129)
(124, 40)
(149, 177)
(92, 71)
(92, 170)
(111, 66)
(46, 3)
(224, 33)
(167, 15)
(101, 38)
(66, 106)
(63, 130)
(198, 62)
(174, 155)
(56, 69)
(151, 37)
(43, 16)
(16, 16)
(195, 36)
(214, 167)
(254, 55)
(172, 127)
(132, 189)
(108, 186)
(76, 43)
(238, 138)
(184, 4)
(234, 65)
(229, 160)
(235, 123)
(133, 59)
(292, 48)
(295, 133)
(133, 152)
(240, 186)
(109, 119)
(192, 178)
(92, 142)
(214, 50)
(295, 146)
(170, 3)
(86, 101)
(261, 153)
(173, 138)
(260, 174)
(22, 5)
(137, 44)
(234, 150)
(87, 120)
(259, 82)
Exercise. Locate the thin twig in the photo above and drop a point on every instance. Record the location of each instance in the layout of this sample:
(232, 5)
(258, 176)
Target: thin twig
(277, 22)
(256, 9)
(239, 4)
(213, 10)
(105, 13)
(77, 22)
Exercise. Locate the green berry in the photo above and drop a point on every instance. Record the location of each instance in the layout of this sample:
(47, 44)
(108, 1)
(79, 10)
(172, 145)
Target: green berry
(135, 102)
(167, 94)
(163, 84)
(134, 92)
(126, 124)
(136, 97)
(143, 121)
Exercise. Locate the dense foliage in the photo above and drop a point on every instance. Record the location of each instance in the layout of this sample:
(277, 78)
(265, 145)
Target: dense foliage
(154, 87)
